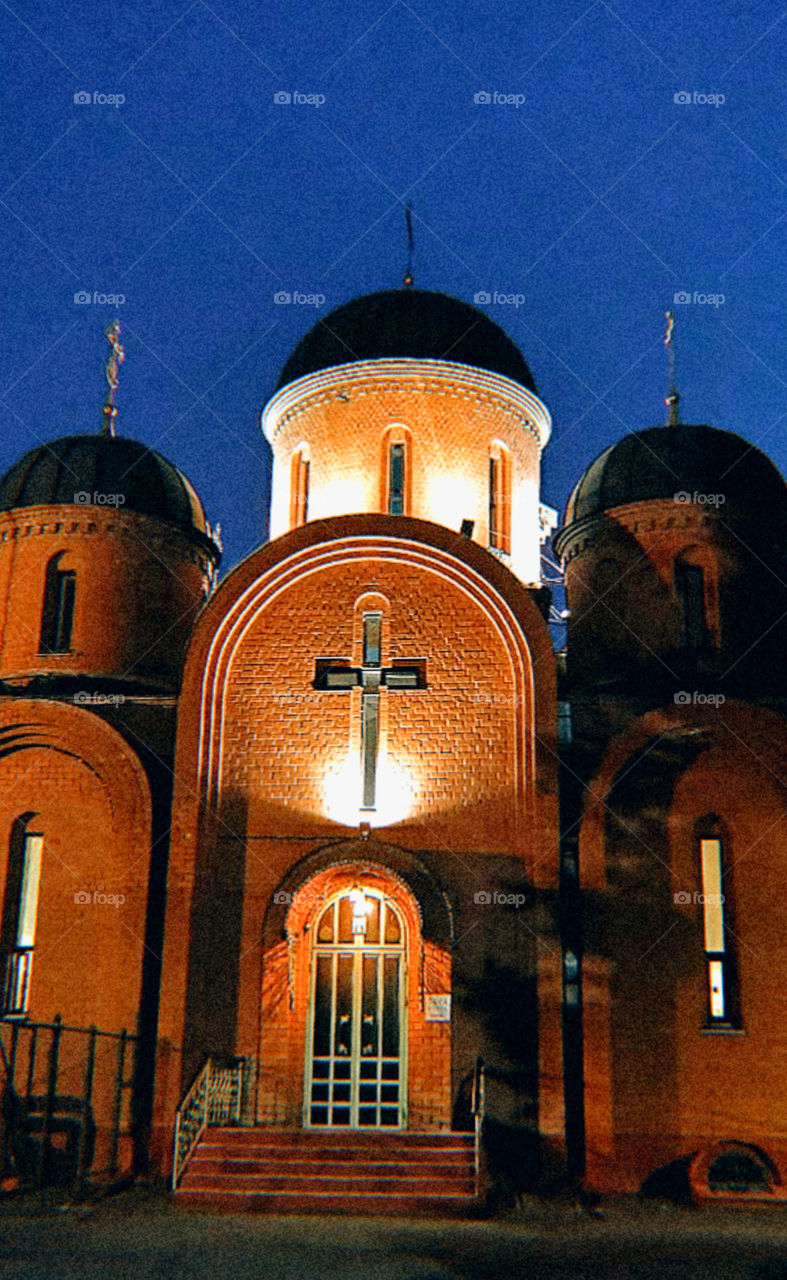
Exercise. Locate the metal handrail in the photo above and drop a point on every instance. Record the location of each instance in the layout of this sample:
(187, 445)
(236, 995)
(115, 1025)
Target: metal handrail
(191, 1121)
(478, 1109)
(215, 1098)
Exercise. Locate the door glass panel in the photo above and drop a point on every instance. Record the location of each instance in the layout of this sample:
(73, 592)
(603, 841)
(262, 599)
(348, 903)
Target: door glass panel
(391, 1007)
(344, 1007)
(322, 1007)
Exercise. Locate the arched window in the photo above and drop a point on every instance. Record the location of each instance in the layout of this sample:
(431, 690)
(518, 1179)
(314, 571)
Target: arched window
(299, 487)
(20, 914)
(57, 622)
(499, 497)
(690, 587)
(715, 901)
(396, 462)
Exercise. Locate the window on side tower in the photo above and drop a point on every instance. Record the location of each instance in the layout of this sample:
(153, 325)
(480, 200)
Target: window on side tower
(57, 621)
(299, 488)
(719, 959)
(500, 498)
(20, 917)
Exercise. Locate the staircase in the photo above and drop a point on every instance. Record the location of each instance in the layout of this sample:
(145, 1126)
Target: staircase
(331, 1171)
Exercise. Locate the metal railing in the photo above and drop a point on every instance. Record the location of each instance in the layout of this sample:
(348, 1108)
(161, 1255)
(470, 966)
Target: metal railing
(215, 1098)
(478, 1109)
(65, 1094)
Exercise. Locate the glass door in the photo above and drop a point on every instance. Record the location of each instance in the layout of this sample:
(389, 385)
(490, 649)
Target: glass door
(355, 1067)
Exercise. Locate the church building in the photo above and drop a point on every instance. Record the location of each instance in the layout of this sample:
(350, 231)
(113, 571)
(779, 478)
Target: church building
(330, 885)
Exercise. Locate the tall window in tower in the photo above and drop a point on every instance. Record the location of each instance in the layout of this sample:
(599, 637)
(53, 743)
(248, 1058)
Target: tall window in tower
(299, 487)
(690, 582)
(20, 916)
(719, 958)
(396, 476)
(499, 498)
(57, 621)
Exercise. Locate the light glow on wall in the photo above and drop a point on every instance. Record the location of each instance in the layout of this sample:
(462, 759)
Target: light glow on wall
(343, 788)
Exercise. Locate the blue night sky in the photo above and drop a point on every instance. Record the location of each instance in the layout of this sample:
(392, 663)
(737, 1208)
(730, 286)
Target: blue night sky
(199, 197)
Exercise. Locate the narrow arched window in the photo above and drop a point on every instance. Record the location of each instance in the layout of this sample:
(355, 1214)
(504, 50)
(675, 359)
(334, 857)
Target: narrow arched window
(690, 586)
(57, 621)
(499, 498)
(396, 467)
(20, 915)
(299, 487)
(716, 905)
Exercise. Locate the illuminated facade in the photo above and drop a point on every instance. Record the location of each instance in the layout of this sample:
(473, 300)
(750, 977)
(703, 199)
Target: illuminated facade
(354, 859)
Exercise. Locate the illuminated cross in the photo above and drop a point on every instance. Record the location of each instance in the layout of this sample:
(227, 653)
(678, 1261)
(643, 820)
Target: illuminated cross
(336, 675)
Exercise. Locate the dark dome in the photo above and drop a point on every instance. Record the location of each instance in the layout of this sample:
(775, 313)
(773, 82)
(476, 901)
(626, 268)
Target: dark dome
(57, 472)
(660, 462)
(410, 323)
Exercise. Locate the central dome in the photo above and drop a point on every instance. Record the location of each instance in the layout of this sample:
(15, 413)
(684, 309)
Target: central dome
(412, 324)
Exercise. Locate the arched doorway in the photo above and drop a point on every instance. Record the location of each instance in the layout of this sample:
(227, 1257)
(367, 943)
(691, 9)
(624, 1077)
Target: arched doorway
(356, 1042)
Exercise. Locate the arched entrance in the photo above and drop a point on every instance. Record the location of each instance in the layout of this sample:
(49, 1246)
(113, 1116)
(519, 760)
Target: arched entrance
(356, 1058)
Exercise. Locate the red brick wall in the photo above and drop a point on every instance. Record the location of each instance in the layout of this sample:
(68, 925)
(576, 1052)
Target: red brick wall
(658, 1085)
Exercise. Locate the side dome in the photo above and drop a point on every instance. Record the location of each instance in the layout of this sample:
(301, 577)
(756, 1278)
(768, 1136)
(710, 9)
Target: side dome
(411, 324)
(660, 462)
(73, 469)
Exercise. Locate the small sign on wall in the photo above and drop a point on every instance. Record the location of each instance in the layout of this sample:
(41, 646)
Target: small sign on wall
(437, 1008)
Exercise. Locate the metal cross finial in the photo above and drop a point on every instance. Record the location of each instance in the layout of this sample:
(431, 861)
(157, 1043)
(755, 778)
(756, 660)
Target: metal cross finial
(672, 400)
(408, 219)
(115, 357)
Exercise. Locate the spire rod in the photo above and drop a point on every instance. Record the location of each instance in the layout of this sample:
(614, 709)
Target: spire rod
(114, 359)
(408, 222)
(672, 400)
